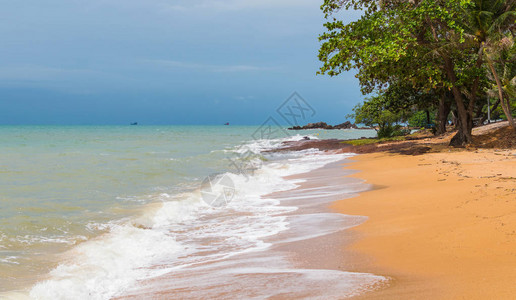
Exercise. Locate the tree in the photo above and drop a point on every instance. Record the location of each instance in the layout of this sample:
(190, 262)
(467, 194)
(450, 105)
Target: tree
(373, 113)
(492, 22)
(419, 41)
(407, 97)
(502, 63)
(420, 119)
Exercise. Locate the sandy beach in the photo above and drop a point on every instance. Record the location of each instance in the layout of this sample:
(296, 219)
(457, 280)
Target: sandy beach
(441, 225)
(437, 225)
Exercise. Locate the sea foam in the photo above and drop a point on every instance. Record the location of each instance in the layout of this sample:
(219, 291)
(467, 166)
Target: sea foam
(184, 232)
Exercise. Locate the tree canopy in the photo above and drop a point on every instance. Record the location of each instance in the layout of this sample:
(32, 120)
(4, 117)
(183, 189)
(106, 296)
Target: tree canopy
(422, 53)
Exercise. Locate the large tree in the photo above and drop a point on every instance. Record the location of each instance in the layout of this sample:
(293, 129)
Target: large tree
(420, 41)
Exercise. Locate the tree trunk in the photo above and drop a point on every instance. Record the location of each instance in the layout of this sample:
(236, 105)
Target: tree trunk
(465, 121)
(480, 114)
(455, 121)
(495, 106)
(476, 82)
(442, 115)
(506, 105)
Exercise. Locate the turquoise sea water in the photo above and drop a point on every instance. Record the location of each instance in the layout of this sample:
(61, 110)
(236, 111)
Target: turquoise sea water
(63, 185)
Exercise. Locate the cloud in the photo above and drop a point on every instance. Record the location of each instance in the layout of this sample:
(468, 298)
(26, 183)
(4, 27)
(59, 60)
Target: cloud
(207, 67)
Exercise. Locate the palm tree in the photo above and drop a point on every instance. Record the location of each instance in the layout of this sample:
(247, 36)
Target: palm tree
(501, 61)
(492, 22)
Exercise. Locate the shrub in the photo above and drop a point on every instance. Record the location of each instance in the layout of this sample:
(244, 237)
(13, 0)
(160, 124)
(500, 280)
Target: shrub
(400, 131)
(385, 131)
(418, 120)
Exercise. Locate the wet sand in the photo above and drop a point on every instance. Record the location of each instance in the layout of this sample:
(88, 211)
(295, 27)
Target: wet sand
(303, 262)
(441, 225)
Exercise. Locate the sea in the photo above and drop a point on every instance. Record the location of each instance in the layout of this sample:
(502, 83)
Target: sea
(98, 212)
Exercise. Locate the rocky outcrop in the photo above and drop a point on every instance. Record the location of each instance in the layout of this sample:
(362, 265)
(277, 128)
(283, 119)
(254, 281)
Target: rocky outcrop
(345, 125)
(323, 125)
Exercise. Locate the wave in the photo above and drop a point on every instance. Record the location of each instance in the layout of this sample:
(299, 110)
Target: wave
(182, 231)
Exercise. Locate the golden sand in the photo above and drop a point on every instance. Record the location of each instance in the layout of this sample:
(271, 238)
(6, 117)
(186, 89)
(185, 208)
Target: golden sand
(441, 225)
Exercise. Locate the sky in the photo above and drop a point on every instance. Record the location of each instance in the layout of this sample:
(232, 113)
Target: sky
(164, 62)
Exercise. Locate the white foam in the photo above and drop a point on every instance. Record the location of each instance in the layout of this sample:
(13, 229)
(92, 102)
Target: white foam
(307, 226)
(261, 277)
(32, 239)
(9, 260)
(306, 283)
(184, 232)
(259, 145)
(101, 268)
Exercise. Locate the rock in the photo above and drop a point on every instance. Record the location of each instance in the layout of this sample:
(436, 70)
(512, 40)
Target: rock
(345, 125)
(323, 125)
(318, 125)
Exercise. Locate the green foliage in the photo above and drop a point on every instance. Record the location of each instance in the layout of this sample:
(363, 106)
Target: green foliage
(393, 41)
(385, 131)
(498, 113)
(419, 120)
(400, 131)
(390, 130)
(502, 55)
(360, 142)
(373, 113)
(415, 53)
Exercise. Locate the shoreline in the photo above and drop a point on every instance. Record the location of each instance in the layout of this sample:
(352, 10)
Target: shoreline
(338, 252)
(302, 261)
(441, 225)
(427, 233)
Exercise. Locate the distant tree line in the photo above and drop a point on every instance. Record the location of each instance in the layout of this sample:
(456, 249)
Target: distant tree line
(426, 60)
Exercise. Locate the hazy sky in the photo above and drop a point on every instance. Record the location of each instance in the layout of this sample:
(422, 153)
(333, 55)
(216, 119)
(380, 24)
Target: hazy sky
(163, 61)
